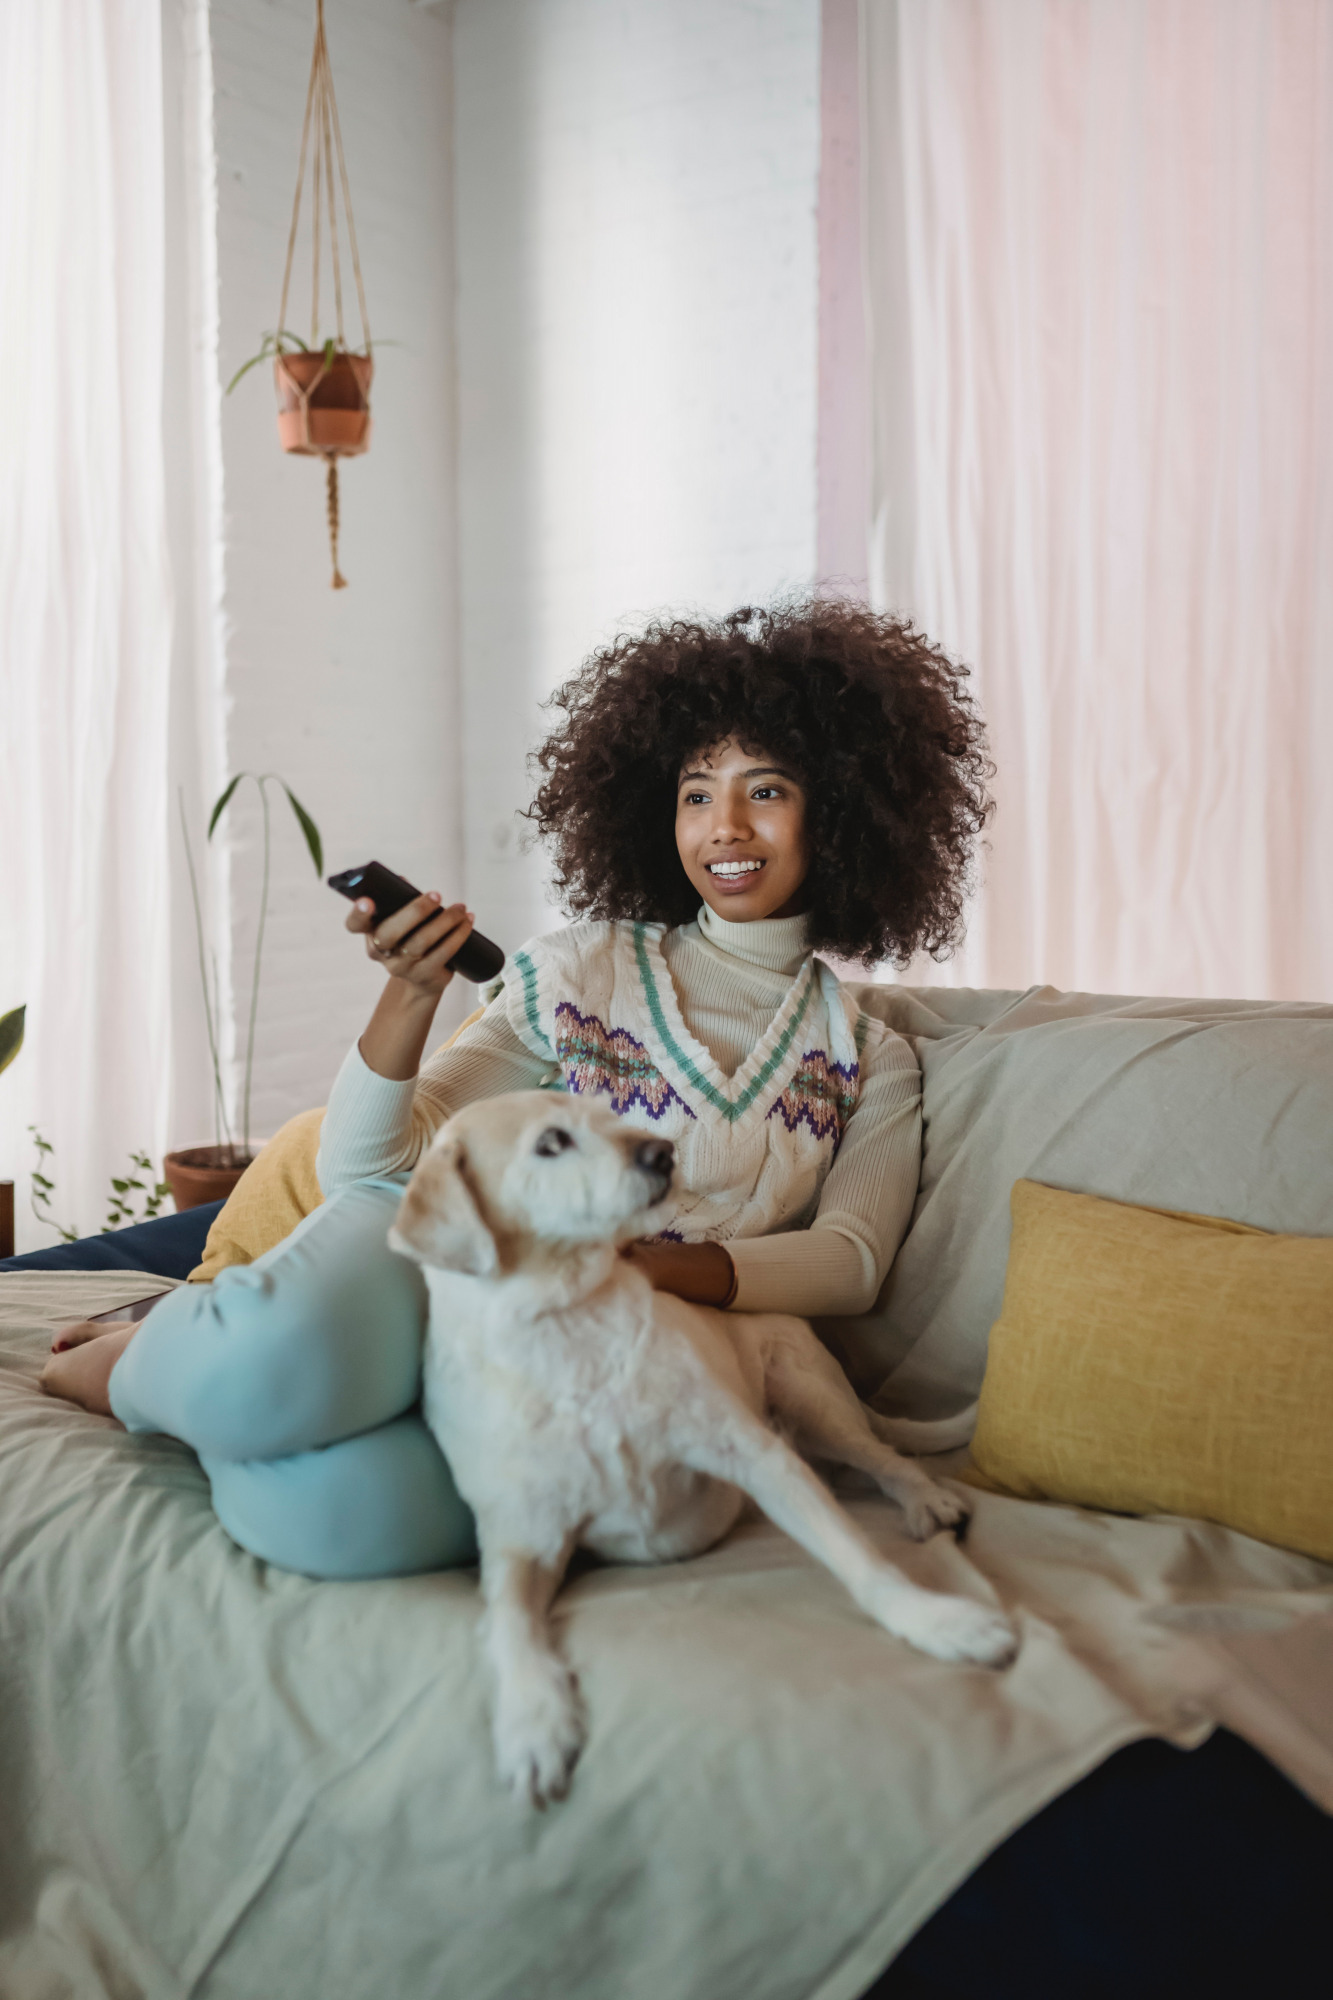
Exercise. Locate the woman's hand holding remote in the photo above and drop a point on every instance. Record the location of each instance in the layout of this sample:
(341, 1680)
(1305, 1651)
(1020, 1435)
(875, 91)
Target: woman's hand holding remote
(414, 946)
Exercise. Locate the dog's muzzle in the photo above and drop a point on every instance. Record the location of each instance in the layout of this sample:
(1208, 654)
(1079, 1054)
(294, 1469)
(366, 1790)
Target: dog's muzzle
(656, 1160)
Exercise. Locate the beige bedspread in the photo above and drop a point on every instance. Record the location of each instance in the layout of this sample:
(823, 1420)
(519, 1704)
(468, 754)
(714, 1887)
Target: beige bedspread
(223, 1781)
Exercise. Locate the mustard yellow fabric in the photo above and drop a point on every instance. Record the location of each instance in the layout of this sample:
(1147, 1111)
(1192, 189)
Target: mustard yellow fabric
(277, 1190)
(1148, 1362)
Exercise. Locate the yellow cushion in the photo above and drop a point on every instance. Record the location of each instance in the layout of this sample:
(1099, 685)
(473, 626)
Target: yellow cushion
(1147, 1362)
(277, 1189)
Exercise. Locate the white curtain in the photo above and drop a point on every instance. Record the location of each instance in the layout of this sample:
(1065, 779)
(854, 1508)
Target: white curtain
(1100, 275)
(85, 619)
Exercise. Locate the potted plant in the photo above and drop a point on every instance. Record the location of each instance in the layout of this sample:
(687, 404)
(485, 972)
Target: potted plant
(209, 1173)
(323, 394)
(324, 386)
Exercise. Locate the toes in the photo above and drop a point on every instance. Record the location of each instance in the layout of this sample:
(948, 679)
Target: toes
(75, 1336)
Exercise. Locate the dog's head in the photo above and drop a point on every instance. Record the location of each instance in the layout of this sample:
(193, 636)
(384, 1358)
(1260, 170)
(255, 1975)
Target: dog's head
(509, 1174)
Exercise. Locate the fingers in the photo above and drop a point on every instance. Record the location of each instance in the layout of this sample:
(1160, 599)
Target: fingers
(415, 950)
(421, 933)
(434, 942)
(361, 917)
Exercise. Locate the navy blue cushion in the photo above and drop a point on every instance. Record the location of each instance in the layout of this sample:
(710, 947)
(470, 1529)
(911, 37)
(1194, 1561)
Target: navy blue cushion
(169, 1247)
(1164, 1872)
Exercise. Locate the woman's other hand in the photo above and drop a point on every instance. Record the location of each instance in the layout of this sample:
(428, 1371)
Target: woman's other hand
(416, 944)
(703, 1273)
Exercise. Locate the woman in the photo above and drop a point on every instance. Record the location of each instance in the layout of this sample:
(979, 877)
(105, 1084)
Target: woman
(824, 774)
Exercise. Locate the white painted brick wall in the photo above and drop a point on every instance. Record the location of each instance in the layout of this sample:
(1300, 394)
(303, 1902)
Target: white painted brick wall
(637, 301)
(352, 696)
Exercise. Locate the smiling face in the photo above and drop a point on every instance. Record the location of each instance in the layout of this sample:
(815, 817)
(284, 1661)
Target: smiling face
(740, 833)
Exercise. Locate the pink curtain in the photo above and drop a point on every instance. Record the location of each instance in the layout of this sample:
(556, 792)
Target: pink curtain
(1100, 279)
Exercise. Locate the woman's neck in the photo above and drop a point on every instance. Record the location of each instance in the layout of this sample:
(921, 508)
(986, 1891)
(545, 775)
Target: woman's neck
(780, 944)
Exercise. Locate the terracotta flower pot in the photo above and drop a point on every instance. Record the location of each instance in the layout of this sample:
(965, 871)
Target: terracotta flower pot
(324, 403)
(204, 1173)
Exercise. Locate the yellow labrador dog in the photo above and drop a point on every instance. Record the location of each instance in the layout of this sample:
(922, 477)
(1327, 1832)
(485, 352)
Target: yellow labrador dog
(578, 1407)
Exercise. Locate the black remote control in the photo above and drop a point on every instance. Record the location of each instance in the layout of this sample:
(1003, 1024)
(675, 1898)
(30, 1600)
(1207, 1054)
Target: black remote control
(478, 959)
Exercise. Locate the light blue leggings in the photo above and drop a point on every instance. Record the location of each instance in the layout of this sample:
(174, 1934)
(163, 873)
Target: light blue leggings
(296, 1380)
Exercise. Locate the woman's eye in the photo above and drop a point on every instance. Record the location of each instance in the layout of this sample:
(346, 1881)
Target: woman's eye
(696, 798)
(766, 792)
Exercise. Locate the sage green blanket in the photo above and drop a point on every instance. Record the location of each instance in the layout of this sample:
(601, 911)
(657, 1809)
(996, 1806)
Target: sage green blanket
(226, 1782)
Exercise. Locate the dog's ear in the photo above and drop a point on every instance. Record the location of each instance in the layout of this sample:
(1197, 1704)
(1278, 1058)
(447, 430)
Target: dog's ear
(439, 1221)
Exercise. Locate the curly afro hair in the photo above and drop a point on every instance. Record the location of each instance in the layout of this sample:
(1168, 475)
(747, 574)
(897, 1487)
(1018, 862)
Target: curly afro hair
(875, 720)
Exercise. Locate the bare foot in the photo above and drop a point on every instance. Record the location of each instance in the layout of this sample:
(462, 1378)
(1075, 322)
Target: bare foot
(81, 1373)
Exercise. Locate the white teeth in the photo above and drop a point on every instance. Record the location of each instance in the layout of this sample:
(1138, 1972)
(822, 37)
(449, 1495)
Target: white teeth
(734, 867)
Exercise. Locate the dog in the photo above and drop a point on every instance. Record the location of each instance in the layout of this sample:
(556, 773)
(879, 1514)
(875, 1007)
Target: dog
(578, 1407)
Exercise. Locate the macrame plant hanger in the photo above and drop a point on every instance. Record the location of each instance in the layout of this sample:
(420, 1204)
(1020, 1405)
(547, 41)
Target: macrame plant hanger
(324, 389)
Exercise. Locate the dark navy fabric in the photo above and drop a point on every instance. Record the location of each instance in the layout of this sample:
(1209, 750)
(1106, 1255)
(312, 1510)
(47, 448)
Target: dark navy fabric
(1165, 1873)
(169, 1247)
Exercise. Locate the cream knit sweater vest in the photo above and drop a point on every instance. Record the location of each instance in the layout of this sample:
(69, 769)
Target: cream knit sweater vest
(753, 1148)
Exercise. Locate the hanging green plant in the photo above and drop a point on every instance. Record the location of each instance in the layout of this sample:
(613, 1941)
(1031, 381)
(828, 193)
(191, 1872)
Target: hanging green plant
(323, 384)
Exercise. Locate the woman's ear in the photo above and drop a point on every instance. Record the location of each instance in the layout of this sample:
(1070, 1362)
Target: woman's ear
(438, 1222)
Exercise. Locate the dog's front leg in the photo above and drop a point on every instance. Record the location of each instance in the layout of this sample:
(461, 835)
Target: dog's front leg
(538, 1722)
(737, 1447)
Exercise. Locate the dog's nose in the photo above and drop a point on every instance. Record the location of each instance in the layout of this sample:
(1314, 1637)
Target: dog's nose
(655, 1156)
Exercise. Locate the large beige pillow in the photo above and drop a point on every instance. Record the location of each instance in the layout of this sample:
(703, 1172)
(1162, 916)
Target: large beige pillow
(1218, 1107)
(1149, 1362)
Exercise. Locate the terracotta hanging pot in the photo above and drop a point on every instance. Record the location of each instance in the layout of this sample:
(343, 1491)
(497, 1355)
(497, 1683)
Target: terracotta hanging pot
(324, 390)
(204, 1173)
(324, 402)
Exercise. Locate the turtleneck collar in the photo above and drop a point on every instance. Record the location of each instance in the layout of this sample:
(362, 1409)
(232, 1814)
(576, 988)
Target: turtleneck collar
(777, 943)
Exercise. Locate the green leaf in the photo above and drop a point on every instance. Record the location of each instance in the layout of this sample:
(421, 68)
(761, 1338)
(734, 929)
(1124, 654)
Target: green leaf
(308, 828)
(271, 344)
(222, 803)
(11, 1035)
(40, 1180)
(120, 1186)
(245, 368)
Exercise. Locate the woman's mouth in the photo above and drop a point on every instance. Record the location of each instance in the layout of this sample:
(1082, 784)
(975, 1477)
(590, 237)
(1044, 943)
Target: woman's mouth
(734, 877)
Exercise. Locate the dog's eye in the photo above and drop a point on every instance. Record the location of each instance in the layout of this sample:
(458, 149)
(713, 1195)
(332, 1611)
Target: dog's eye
(553, 1140)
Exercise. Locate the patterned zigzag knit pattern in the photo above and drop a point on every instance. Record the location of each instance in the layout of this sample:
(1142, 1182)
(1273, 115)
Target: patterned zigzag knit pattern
(822, 1093)
(597, 1059)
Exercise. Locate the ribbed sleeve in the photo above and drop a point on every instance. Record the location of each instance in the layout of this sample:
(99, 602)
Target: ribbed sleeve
(865, 1205)
(376, 1126)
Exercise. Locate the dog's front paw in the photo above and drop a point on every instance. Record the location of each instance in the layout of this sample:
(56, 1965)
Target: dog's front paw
(928, 1508)
(954, 1628)
(539, 1731)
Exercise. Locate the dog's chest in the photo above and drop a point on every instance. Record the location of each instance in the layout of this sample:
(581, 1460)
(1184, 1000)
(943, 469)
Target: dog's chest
(581, 1416)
